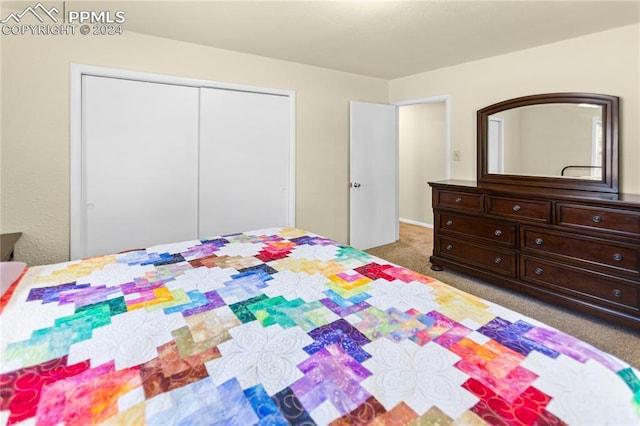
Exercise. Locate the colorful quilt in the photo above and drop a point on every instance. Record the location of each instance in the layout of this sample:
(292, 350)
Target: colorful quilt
(281, 326)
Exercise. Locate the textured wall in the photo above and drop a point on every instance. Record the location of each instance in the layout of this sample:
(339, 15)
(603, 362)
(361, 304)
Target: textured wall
(35, 126)
(606, 62)
(34, 155)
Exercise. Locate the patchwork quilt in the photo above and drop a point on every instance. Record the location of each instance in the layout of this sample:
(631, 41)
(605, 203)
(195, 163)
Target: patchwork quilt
(282, 326)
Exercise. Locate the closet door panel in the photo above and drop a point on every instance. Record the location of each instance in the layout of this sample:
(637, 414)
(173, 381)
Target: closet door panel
(244, 161)
(140, 156)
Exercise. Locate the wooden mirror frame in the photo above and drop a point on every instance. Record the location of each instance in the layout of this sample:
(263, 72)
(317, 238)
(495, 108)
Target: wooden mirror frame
(609, 181)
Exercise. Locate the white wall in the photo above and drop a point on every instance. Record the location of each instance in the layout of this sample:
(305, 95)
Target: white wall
(565, 140)
(34, 131)
(606, 62)
(35, 126)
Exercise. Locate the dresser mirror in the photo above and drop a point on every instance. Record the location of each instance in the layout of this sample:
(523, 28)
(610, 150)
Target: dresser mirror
(555, 140)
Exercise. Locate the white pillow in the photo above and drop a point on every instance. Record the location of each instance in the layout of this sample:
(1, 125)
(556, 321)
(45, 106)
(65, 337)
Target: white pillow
(9, 273)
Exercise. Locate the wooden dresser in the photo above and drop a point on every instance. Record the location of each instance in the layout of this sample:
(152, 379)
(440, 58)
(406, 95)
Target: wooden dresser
(578, 249)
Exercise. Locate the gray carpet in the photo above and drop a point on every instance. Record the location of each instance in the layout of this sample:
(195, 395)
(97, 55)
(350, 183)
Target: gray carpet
(414, 248)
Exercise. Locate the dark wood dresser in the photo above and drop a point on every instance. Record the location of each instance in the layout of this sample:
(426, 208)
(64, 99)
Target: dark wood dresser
(579, 249)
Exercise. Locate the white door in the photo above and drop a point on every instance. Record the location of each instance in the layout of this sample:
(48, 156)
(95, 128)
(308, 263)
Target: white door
(140, 149)
(245, 143)
(373, 198)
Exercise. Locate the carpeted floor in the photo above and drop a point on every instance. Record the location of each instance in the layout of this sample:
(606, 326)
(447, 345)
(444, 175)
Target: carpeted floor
(415, 247)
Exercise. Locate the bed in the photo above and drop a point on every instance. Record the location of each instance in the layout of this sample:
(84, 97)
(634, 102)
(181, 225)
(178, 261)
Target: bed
(283, 326)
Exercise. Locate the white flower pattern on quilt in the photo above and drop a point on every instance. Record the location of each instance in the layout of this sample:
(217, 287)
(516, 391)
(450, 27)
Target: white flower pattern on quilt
(293, 285)
(325, 413)
(202, 279)
(403, 296)
(257, 354)
(239, 249)
(128, 343)
(580, 390)
(315, 252)
(116, 274)
(421, 376)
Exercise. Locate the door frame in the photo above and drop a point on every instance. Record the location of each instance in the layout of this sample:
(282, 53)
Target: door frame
(500, 142)
(447, 114)
(77, 220)
(596, 146)
(447, 111)
(426, 100)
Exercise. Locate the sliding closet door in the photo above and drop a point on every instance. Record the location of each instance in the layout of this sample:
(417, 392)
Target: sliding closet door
(140, 156)
(244, 161)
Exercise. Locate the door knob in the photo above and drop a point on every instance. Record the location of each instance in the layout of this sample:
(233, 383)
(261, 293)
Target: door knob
(356, 185)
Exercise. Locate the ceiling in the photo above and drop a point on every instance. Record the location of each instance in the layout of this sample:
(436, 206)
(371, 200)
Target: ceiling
(385, 39)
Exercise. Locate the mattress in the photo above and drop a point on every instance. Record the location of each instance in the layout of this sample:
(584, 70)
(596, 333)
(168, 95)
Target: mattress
(283, 326)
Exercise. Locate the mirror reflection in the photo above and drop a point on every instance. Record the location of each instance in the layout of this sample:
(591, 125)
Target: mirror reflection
(554, 140)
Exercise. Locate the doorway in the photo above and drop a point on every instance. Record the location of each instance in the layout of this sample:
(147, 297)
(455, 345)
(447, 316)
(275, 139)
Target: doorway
(424, 156)
(374, 183)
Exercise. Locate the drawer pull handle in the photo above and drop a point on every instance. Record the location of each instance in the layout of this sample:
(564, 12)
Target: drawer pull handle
(498, 260)
(617, 293)
(459, 200)
(597, 219)
(449, 246)
(497, 233)
(617, 257)
(449, 222)
(539, 271)
(539, 241)
(516, 208)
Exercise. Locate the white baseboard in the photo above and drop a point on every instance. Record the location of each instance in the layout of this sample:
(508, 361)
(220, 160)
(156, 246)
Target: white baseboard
(415, 222)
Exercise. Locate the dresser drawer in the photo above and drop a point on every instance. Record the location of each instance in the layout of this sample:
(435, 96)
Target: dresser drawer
(539, 211)
(459, 201)
(492, 231)
(579, 283)
(600, 218)
(594, 251)
(489, 258)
